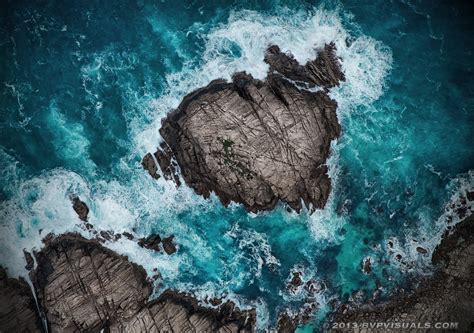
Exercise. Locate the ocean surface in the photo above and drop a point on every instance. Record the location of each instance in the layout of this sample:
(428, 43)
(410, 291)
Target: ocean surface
(85, 84)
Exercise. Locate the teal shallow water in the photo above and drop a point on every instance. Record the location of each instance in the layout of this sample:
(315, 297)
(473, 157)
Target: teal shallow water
(83, 89)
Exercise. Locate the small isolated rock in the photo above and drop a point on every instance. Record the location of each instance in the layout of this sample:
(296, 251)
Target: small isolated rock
(421, 250)
(107, 235)
(295, 282)
(313, 287)
(80, 208)
(148, 163)
(29, 260)
(128, 235)
(366, 266)
(151, 242)
(168, 245)
(286, 323)
(470, 195)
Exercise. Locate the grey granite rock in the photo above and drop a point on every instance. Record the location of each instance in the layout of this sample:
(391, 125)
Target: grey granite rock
(80, 208)
(168, 245)
(148, 163)
(85, 287)
(81, 285)
(18, 311)
(176, 312)
(257, 142)
(151, 242)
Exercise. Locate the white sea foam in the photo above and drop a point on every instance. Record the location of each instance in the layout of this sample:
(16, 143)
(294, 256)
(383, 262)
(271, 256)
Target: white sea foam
(69, 140)
(137, 201)
(257, 245)
(39, 206)
(365, 61)
(428, 233)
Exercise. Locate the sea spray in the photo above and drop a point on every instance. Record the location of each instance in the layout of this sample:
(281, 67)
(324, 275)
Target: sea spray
(106, 96)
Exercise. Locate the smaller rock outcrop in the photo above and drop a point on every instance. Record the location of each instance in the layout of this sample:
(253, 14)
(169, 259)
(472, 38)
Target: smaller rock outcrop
(80, 208)
(421, 250)
(164, 159)
(168, 245)
(148, 163)
(151, 242)
(324, 71)
(30, 262)
(82, 285)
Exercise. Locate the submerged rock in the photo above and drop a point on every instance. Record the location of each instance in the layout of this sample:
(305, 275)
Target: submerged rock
(257, 142)
(295, 282)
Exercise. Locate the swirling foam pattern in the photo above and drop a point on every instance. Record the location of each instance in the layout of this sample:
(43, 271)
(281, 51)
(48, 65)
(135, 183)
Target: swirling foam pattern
(85, 86)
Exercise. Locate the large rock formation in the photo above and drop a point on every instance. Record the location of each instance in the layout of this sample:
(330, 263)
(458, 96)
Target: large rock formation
(84, 287)
(18, 311)
(256, 142)
(447, 297)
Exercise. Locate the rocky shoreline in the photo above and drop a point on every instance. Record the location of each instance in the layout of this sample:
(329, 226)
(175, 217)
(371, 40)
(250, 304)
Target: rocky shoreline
(82, 286)
(446, 297)
(256, 142)
(78, 285)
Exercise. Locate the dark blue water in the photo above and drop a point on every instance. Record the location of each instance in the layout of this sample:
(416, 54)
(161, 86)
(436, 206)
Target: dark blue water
(85, 84)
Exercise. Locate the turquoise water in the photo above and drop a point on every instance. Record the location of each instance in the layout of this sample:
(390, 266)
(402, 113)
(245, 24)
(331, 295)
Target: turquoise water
(84, 86)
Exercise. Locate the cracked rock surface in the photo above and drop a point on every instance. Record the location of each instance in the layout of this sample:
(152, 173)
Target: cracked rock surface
(84, 287)
(18, 311)
(257, 142)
